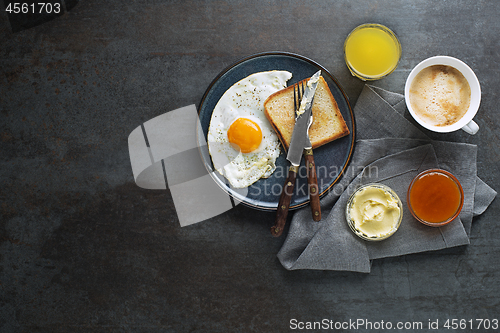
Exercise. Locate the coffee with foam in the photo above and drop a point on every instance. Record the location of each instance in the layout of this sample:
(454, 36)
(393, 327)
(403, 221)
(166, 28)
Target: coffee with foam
(440, 95)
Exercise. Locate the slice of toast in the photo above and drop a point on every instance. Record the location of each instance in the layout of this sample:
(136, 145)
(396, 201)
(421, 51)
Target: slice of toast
(328, 123)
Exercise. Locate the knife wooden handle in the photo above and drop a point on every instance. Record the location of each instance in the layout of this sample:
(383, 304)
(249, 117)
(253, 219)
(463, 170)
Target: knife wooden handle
(312, 180)
(284, 203)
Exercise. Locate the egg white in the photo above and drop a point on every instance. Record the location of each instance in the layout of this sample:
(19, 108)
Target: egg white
(245, 99)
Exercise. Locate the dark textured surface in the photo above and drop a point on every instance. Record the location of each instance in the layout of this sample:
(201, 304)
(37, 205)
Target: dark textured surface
(30, 13)
(83, 249)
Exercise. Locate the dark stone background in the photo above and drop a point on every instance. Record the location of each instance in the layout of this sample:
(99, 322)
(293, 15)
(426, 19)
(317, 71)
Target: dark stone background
(83, 249)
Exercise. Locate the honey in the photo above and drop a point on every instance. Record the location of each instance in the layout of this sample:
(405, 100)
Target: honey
(435, 197)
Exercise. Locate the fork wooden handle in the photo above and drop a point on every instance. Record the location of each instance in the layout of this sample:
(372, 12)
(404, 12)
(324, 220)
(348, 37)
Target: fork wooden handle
(312, 180)
(284, 203)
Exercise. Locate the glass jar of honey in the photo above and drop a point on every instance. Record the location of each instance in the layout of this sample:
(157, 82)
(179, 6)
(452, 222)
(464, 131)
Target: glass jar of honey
(435, 197)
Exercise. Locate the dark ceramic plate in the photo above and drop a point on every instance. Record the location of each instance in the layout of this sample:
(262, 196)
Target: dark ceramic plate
(331, 159)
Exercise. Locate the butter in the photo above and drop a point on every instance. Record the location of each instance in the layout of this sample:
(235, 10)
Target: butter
(304, 101)
(313, 80)
(302, 107)
(375, 212)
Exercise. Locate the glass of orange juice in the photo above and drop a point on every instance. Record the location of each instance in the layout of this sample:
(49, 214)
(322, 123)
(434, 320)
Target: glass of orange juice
(371, 51)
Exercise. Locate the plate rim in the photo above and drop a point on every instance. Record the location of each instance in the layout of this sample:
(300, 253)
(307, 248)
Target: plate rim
(314, 63)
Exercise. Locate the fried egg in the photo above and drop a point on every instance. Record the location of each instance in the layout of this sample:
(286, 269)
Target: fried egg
(241, 141)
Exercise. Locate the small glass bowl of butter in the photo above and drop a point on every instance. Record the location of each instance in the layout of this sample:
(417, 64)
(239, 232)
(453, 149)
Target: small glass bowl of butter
(374, 212)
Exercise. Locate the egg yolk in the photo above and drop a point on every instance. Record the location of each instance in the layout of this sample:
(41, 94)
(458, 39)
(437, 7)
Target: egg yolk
(244, 135)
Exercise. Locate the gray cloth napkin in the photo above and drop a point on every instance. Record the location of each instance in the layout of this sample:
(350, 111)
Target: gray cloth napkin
(390, 150)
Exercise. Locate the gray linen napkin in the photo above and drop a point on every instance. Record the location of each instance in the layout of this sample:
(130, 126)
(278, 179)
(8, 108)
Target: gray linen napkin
(391, 150)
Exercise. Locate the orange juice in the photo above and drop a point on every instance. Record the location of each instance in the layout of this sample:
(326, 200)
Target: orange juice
(372, 51)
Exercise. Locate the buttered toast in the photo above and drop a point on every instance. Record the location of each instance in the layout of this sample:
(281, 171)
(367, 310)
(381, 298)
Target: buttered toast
(328, 123)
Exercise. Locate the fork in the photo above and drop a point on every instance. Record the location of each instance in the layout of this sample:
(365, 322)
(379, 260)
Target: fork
(312, 180)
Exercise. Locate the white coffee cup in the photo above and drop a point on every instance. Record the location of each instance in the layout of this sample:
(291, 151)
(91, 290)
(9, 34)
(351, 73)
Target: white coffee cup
(465, 123)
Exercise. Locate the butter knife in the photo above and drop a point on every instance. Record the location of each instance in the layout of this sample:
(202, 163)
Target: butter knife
(298, 142)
